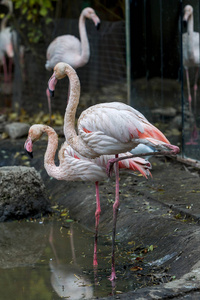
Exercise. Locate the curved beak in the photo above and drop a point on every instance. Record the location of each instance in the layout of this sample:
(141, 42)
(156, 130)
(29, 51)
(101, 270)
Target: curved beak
(29, 153)
(28, 147)
(51, 84)
(96, 21)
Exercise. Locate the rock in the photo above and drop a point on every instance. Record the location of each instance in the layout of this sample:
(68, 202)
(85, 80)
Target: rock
(165, 111)
(17, 129)
(22, 193)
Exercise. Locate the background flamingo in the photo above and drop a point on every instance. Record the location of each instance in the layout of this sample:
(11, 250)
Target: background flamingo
(191, 59)
(74, 167)
(106, 128)
(69, 49)
(8, 37)
(190, 50)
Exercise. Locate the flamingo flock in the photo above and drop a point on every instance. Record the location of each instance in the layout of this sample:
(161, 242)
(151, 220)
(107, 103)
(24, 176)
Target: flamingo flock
(106, 133)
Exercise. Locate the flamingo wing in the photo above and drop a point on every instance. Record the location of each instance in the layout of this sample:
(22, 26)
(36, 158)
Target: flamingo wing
(117, 126)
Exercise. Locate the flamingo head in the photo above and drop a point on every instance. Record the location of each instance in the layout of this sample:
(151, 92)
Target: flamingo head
(35, 132)
(188, 11)
(89, 13)
(61, 70)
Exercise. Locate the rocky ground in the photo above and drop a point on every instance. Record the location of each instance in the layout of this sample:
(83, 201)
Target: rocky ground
(158, 219)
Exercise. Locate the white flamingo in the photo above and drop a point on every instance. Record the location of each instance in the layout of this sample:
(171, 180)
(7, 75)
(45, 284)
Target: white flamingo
(69, 49)
(74, 167)
(106, 128)
(8, 38)
(190, 41)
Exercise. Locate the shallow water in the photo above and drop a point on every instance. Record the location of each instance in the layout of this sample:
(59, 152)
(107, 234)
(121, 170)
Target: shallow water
(46, 260)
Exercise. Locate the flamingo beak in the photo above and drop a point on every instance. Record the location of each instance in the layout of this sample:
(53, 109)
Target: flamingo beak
(96, 21)
(51, 84)
(28, 147)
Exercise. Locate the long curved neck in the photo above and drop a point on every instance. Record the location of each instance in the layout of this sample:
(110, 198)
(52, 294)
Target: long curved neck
(5, 20)
(190, 25)
(72, 103)
(49, 156)
(71, 136)
(85, 47)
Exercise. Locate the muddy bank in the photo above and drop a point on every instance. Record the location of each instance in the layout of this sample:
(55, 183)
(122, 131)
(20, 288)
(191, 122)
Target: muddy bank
(161, 214)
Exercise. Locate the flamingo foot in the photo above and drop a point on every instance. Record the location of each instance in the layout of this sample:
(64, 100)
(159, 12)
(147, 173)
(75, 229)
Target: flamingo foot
(191, 142)
(113, 276)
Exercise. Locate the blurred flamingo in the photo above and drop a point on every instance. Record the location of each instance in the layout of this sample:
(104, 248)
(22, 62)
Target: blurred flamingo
(69, 49)
(106, 128)
(191, 59)
(190, 50)
(7, 38)
(74, 167)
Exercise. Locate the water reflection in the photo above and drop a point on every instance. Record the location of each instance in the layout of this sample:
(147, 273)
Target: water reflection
(50, 261)
(67, 279)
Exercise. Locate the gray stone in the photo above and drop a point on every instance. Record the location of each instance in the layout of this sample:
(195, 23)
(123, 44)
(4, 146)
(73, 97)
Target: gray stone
(17, 129)
(22, 193)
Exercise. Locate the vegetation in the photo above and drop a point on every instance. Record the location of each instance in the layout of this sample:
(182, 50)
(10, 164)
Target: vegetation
(33, 14)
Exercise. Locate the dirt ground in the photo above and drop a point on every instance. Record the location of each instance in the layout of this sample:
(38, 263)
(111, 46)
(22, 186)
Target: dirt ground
(161, 214)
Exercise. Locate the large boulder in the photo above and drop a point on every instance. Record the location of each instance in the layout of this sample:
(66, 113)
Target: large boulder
(22, 194)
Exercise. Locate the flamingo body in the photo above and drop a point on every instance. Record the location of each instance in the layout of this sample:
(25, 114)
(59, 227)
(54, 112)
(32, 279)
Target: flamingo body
(60, 49)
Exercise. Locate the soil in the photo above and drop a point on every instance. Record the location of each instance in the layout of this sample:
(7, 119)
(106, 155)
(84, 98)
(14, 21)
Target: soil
(161, 215)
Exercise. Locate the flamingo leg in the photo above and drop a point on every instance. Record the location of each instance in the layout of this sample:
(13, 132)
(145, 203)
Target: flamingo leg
(97, 216)
(5, 69)
(10, 69)
(195, 88)
(188, 88)
(115, 212)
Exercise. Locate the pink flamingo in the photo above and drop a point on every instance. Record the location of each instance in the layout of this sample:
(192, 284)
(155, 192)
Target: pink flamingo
(69, 49)
(191, 59)
(106, 128)
(74, 167)
(7, 38)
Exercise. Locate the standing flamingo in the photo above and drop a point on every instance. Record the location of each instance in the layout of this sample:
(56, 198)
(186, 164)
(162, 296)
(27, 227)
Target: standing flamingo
(190, 50)
(106, 128)
(8, 37)
(191, 59)
(74, 167)
(69, 49)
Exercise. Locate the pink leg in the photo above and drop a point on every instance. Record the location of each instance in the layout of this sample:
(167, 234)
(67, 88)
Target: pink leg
(10, 69)
(115, 211)
(195, 88)
(5, 69)
(97, 216)
(188, 87)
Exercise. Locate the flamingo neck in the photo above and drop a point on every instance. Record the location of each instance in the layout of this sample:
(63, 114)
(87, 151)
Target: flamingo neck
(85, 47)
(49, 156)
(74, 140)
(5, 20)
(190, 25)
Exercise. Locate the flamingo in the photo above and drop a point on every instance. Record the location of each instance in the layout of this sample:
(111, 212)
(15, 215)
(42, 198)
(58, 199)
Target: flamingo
(105, 129)
(69, 49)
(7, 38)
(191, 59)
(74, 167)
(190, 50)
